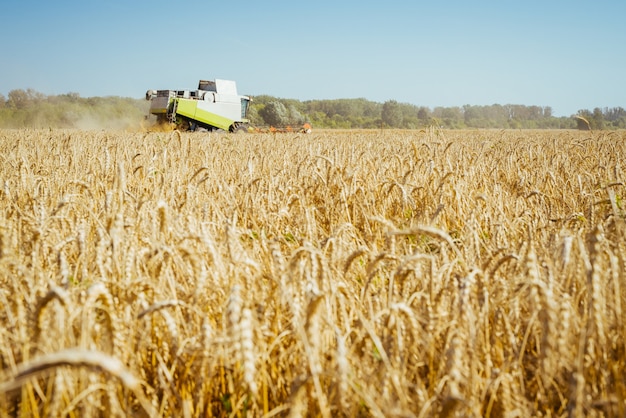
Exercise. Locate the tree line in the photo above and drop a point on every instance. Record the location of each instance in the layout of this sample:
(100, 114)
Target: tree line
(29, 108)
(32, 109)
(362, 113)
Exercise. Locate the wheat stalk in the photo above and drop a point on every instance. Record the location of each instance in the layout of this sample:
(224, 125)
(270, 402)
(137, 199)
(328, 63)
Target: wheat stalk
(75, 357)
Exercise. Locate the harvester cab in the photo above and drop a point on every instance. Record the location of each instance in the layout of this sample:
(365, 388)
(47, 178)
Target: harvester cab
(214, 105)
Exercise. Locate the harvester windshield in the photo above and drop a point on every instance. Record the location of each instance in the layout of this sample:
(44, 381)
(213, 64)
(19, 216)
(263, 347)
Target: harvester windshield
(245, 102)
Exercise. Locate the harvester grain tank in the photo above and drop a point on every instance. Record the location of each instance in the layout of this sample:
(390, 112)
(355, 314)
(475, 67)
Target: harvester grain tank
(214, 105)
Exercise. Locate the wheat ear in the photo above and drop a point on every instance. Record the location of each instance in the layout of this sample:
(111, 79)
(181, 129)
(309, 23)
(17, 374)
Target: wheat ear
(99, 293)
(76, 357)
(57, 293)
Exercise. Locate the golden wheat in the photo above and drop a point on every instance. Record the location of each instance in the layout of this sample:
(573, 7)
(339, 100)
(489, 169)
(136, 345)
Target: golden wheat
(396, 273)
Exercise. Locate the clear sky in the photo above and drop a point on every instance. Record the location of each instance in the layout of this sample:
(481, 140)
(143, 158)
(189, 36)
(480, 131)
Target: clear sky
(569, 55)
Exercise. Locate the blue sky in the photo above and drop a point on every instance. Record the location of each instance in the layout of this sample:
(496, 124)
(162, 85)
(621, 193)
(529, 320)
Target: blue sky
(569, 55)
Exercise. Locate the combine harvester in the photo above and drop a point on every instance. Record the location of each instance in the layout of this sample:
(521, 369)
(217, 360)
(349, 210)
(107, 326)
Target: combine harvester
(213, 106)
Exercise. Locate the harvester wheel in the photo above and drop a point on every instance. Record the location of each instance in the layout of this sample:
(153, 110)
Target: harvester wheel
(239, 127)
(183, 124)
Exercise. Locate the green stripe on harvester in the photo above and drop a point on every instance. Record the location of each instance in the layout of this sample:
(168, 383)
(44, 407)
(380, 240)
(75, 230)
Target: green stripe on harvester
(189, 108)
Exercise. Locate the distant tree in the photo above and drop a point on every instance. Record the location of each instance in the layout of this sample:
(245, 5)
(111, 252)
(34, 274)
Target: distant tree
(582, 119)
(294, 116)
(471, 114)
(423, 114)
(275, 113)
(597, 119)
(452, 113)
(3, 101)
(253, 115)
(18, 99)
(547, 112)
(392, 114)
(318, 119)
(70, 97)
(535, 112)
(614, 114)
(617, 116)
(607, 118)
(21, 99)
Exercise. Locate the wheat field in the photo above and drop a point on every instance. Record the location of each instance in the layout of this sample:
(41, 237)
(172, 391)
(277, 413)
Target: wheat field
(422, 273)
